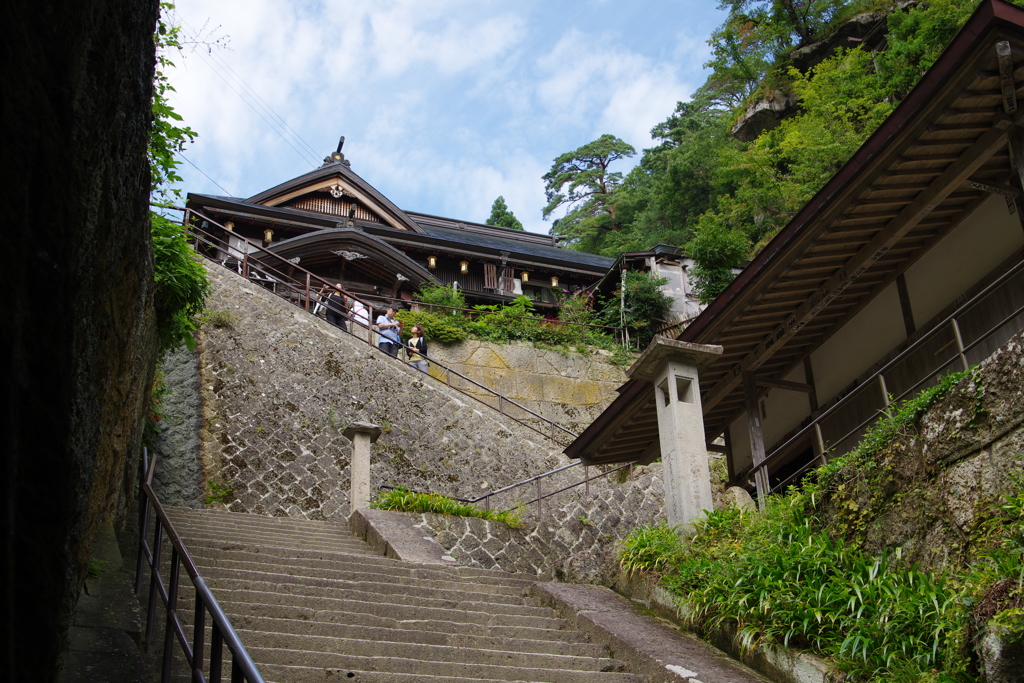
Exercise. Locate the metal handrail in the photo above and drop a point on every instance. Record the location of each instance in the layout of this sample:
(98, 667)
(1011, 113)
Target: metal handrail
(553, 430)
(242, 666)
(535, 479)
(949, 322)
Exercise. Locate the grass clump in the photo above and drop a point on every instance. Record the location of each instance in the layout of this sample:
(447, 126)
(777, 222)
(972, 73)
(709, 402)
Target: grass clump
(403, 500)
(801, 573)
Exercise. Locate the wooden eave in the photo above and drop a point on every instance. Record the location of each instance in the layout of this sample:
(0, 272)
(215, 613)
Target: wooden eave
(381, 261)
(903, 189)
(342, 175)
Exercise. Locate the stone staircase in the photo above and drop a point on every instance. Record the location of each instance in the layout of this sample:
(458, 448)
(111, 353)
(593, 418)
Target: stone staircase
(311, 603)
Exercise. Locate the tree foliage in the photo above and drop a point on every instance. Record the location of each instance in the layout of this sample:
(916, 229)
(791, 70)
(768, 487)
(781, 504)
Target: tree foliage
(502, 217)
(721, 199)
(582, 182)
(180, 282)
(639, 304)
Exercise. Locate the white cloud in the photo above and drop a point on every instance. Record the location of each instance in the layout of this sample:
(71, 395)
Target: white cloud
(445, 105)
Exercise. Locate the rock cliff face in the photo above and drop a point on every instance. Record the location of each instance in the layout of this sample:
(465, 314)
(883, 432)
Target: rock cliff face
(79, 345)
(957, 463)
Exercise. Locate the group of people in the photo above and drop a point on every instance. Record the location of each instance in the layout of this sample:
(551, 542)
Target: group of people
(389, 329)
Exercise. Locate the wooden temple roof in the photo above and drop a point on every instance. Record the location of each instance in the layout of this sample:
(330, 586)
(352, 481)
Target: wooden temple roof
(943, 151)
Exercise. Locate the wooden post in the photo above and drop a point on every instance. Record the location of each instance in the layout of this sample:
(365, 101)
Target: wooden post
(756, 438)
(960, 345)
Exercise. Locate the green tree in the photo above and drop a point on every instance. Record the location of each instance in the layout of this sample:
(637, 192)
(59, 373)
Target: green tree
(502, 217)
(581, 181)
(640, 304)
(181, 285)
(717, 249)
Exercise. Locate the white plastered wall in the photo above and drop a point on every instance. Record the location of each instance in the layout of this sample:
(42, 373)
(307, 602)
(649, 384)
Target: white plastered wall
(964, 256)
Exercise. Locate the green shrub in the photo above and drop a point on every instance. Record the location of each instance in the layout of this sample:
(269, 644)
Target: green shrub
(442, 295)
(445, 329)
(403, 500)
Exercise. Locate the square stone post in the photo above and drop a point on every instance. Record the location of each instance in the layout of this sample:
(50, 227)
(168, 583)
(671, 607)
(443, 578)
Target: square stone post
(362, 435)
(673, 367)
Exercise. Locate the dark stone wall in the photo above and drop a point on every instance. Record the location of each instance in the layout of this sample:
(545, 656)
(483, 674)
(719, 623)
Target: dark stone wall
(78, 344)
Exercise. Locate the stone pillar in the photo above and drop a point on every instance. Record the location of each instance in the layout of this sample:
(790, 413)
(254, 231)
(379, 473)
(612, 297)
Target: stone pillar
(361, 434)
(673, 368)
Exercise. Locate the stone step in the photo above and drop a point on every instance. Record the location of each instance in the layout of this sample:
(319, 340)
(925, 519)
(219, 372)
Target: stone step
(280, 538)
(517, 670)
(382, 596)
(209, 516)
(446, 654)
(476, 613)
(245, 611)
(368, 563)
(238, 561)
(338, 583)
(427, 633)
(276, 673)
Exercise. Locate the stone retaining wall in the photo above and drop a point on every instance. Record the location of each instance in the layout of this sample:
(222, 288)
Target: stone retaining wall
(575, 540)
(280, 385)
(568, 388)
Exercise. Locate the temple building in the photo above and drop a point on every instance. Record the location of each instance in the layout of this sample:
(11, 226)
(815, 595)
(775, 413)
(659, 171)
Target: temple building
(339, 227)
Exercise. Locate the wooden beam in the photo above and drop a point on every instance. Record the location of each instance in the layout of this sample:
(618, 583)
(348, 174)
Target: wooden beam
(908, 313)
(812, 397)
(756, 438)
(783, 384)
(1017, 151)
(1005, 190)
(1004, 54)
(869, 254)
(715, 448)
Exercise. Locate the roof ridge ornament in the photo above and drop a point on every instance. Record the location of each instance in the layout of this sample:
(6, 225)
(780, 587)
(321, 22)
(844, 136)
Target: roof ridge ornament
(336, 157)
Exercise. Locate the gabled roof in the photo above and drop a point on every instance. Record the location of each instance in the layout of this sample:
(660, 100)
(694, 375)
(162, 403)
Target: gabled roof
(942, 152)
(338, 173)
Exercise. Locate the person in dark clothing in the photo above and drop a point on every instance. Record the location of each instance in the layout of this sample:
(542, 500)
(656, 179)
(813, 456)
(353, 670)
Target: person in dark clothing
(337, 307)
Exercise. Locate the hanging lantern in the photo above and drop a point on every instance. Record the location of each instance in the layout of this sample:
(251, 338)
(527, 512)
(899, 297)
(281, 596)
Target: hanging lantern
(554, 281)
(432, 262)
(464, 267)
(229, 225)
(268, 235)
(524, 276)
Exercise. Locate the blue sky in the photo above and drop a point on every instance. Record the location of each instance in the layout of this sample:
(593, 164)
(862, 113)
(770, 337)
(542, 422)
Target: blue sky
(444, 104)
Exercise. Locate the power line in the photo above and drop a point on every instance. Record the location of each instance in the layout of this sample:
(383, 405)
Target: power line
(248, 95)
(207, 177)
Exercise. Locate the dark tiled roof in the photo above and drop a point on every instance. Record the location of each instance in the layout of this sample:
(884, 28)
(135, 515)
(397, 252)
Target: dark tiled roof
(505, 244)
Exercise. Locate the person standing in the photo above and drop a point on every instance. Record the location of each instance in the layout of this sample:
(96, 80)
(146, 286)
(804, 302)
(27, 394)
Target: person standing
(337, 308)
(360, 316)
(389, 329)
(417, 349)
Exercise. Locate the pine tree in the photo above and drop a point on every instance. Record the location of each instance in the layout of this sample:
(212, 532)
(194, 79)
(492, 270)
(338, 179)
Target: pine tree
(502, 217)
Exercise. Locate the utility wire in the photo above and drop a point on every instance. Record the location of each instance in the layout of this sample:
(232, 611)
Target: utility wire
(248, 95)
(204, 173)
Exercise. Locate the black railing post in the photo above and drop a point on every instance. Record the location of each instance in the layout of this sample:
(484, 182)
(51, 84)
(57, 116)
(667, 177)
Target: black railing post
(198, 639)
(586, 478)
(540, 508)
(172, 617)
(154, 577)
(143, 522)
(216, 653)
(307, 292)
